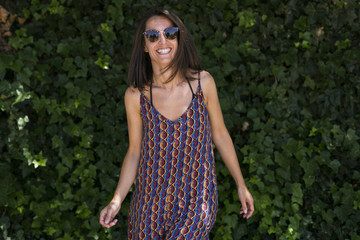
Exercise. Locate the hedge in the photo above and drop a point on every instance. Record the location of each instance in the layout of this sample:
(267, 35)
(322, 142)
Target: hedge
(288, 78)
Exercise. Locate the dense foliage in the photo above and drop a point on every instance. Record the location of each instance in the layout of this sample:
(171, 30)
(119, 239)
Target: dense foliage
(289, 84)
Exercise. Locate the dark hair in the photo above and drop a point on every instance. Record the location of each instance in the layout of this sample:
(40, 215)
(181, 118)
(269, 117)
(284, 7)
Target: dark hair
(186, 60)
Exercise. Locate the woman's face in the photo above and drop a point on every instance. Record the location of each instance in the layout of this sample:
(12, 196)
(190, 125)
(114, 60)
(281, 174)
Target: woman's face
(163, 50)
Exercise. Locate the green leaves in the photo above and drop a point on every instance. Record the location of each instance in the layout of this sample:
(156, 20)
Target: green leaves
(288, 82)
(246, 18)
(21, 39)
(301, 23)
(297, 194)
(36, 160)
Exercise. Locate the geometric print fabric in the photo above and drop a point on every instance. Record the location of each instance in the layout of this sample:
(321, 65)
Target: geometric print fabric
(175, 193)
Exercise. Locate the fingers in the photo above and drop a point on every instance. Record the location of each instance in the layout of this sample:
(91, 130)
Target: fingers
(248, 211)
(247, 203)
(244, 209)
(106, 218)
(113, 223)
(110, 224)
(251, 209)
(103, 215)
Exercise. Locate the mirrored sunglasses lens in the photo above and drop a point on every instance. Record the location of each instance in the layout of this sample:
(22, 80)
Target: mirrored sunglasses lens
(171, 33)
(152, 36)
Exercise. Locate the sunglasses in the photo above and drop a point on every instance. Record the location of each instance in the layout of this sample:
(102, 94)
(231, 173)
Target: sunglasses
(170, 33)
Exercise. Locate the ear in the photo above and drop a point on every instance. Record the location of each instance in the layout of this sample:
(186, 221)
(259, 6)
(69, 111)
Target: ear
(146, 49)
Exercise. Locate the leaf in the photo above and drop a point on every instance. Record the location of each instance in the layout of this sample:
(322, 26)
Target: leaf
(297, 194)
(301, 23)
(83, 211)
(246, 18)
(284, 173)
(21, 95)
(282, 160)
(68, 65)
(309, 83)
(57, 142)
(343, 44)
(231, 208)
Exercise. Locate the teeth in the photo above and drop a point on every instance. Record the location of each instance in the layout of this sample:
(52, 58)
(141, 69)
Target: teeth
(163, 51)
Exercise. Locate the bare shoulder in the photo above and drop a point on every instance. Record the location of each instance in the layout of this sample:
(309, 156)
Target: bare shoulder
(207, 83)
(131, 93)
(132, 97)
(205, 76)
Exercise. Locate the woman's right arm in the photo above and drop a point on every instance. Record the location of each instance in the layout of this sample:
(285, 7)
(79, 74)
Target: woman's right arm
(131, 160)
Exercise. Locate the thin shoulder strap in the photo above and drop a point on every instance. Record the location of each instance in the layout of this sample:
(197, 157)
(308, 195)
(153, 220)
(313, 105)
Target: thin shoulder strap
(190, 87)
(151, 93)
(199, 86)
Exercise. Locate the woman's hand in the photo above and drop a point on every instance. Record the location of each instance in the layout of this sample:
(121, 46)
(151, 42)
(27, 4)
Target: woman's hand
(108, 214)
(247, 202)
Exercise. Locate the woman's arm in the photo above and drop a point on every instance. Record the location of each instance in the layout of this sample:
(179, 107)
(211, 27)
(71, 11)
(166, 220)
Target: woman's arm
(131, 160)
(223, 142)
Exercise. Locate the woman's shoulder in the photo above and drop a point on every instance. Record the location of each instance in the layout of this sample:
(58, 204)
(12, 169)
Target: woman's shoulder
(207, 81)
(132, 95)
(132, 91)
(205, 75)
(208, 86)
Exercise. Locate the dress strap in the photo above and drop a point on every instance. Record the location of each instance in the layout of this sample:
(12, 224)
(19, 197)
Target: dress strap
(199, 85)
(190, 87)
(151, 93)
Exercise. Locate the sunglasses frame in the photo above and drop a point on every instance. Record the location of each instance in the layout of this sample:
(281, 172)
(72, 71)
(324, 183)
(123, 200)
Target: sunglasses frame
(146, 34)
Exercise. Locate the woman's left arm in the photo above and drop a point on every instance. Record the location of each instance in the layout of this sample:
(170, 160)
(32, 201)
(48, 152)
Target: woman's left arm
(223, 142)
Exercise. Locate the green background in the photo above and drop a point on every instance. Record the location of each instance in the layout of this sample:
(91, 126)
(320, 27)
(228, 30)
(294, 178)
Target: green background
(288, 79)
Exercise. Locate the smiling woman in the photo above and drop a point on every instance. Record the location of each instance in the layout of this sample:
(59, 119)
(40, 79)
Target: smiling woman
(185, 59)
(173, 116)
(161, 49)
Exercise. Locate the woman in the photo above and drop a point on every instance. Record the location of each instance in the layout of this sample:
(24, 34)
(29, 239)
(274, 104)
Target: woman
(173, 116)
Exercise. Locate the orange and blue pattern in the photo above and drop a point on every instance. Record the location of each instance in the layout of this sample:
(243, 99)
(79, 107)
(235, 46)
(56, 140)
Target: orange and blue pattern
(175, 193)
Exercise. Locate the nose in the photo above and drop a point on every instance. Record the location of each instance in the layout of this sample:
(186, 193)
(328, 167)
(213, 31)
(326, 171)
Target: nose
(162, 37)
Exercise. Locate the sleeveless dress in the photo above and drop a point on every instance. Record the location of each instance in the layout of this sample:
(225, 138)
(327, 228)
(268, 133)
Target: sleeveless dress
(175, 194)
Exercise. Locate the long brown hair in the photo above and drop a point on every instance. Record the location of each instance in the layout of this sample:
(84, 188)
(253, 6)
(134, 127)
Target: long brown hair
(186, 60)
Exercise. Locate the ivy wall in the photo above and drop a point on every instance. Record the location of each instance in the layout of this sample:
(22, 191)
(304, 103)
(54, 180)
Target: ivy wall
(288, 78)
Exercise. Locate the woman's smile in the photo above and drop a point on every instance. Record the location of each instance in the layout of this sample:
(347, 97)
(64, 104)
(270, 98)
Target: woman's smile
(163, 51)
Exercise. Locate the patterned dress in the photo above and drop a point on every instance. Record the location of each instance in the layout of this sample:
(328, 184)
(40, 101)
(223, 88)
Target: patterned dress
(175, 194)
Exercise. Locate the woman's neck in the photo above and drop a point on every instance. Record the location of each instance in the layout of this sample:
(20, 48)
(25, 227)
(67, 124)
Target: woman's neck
(160, 78)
